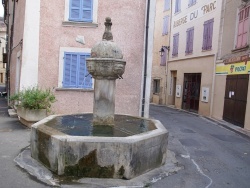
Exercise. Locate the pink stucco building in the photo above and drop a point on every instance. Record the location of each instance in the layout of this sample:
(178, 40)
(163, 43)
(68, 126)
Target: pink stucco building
(50, 41)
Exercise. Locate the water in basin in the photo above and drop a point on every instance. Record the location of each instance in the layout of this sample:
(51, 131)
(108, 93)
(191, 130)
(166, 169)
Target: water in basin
(81, 125)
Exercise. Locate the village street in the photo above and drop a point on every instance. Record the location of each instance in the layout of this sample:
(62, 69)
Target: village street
(211, 155)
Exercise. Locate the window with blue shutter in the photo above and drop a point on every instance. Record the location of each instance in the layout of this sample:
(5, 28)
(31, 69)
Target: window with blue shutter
(175, 45)
(167, 5)
(165, 25)
(75, 73)
(208, 35)
(177, 6)
(81, 10)
(190, 39)
(164, 56)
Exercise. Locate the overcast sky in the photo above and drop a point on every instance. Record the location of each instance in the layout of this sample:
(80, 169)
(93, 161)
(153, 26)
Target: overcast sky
(1, 9)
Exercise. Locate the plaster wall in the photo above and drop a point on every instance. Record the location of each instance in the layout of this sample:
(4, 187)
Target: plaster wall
(158, 71)
(128, 31)
(17, 37)
(203, 65)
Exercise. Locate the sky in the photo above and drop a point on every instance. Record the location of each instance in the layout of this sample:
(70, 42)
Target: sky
(1, 10)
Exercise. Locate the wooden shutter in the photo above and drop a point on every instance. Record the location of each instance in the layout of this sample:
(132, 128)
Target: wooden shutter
(70, 70)
(164, 57)
(210, 34)
(245, 27)
(189, 41)
(85, 79)
(165, 25)
(75, 12)
(177, 5)
(87, 7)
(167, 5)
(175, 44)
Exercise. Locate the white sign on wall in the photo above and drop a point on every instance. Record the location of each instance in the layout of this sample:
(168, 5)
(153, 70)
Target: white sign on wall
(195, 14)
(178, 91)
(204, 94)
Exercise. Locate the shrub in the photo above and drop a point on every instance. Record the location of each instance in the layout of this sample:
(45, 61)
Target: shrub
(33, 98)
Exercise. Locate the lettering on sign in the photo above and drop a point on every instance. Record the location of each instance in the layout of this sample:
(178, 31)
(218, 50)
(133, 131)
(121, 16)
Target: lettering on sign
(198, 13)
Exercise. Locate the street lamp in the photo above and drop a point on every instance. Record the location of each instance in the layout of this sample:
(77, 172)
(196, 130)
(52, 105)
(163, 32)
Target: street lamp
(163, 48)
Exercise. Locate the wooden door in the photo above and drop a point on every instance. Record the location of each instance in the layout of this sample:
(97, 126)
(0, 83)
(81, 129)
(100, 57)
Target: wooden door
(236, 99)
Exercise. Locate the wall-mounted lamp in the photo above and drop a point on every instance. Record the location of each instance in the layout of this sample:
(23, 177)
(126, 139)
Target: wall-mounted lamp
(163, 48)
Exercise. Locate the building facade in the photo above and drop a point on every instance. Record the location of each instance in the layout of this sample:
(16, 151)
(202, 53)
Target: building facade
(232, 86)
(195, 29)
(50, 41)
(160, 51)
(2, 51)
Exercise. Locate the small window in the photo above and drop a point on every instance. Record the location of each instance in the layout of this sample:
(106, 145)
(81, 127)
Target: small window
(156, 86)
(75, 73)
(190, 39)
(175, 45)
(164, 56)
(81, 10)
(177, 6)
(167, 5)
(208, 35)
(191, 3)
(243, 27)
(165, 25)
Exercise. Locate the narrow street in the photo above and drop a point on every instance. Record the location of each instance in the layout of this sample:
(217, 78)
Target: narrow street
(212, 156)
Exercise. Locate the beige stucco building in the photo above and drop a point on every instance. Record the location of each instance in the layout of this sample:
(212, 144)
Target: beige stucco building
(195, 30)
(232, 86)
(52, 39)
(2, 51)
(160, 51)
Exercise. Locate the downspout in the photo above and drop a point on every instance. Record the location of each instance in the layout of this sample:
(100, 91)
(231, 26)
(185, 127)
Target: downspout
(146, 61)
(11, 45)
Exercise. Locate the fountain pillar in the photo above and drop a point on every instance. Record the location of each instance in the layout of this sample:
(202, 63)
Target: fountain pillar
(105, 65)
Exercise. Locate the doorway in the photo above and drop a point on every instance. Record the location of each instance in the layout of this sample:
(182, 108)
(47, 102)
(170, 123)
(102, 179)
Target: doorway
(235, 100)
(191, 92)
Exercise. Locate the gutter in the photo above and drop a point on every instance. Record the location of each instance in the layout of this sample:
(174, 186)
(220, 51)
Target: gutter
(146, 61)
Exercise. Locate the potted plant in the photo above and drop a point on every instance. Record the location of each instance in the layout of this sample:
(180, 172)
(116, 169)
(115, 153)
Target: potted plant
(32, 104)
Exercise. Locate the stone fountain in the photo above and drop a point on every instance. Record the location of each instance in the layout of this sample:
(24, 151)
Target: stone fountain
(102, 144)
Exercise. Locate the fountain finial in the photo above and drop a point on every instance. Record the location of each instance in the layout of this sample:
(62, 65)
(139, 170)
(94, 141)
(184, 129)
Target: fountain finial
(108, 34)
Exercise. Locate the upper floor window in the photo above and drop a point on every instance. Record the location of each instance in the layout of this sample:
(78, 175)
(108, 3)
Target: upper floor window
(243, 27)
(177, 6)
(208, 35)
(81, 10)
(164, 56)
(191, 2)
(166, 5)
(190, 39)
(75, 73)
(165, 25)
(175, 45)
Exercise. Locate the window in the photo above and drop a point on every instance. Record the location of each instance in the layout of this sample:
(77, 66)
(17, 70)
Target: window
(191, 2)
(208, 35)
(243, 28)
(165, 25)
(175, 44)
(190, 39)
(156, 86)
(164, 56)
(177, 6)
(166, 5)
(81, 10)
(75, 73)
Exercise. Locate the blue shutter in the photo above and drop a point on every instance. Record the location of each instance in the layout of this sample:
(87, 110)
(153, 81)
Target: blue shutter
(88, 77)
(85, 79)
(177, 6)
(70, 70)
(75, 12)
(87, 9)
(167, 5)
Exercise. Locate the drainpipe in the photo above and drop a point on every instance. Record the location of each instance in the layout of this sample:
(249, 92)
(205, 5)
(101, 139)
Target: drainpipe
(146, 60)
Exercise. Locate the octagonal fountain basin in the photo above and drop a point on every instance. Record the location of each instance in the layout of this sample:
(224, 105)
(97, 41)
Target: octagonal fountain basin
(70, 146)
